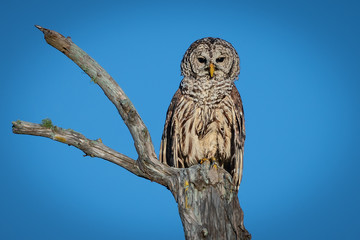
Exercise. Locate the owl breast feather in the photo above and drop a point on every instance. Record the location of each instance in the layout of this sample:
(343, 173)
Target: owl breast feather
(205, 131)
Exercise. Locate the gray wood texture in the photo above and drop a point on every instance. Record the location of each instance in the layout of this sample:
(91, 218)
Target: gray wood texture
(208, 205)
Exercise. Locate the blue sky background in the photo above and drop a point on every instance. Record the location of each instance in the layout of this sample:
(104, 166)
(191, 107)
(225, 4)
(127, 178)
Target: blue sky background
(300, 86)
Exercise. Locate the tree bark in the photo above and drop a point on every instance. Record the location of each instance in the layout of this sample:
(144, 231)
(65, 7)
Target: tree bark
(208, 206)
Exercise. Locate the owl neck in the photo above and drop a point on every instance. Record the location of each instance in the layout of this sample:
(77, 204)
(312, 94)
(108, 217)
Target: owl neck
(206, 91)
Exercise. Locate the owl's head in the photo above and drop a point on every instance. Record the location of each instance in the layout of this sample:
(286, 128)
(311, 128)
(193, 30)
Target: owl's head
(211, 57)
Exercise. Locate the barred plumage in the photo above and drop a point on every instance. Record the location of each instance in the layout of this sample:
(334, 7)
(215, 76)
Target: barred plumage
(205, 118)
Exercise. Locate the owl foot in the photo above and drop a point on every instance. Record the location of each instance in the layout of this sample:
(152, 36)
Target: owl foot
(212, 160)
(204, 160)
(214, 163)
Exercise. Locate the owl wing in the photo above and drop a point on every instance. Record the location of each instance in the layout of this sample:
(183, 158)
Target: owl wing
(169, 141)
(237, 147)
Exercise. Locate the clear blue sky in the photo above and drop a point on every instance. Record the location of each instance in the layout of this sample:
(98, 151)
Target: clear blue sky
(299, 82)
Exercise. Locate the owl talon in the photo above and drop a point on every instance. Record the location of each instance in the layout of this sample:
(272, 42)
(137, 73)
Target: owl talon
(215, 165)
(204, 160)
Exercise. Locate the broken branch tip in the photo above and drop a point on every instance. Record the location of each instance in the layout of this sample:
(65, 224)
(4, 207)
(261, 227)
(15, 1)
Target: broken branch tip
(40, 28)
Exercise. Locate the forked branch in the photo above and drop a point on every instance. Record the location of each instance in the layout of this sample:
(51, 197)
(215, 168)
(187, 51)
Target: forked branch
(147, 164)
(208, 207)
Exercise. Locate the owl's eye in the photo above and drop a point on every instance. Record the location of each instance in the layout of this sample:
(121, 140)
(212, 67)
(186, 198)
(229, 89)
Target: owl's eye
(220, 59)
(201, 60)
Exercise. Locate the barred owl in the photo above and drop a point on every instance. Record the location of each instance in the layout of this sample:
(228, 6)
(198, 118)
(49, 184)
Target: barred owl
(205, 119)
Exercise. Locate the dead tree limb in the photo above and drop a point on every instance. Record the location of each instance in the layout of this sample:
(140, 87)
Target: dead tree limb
(93, 148)
(208, 206)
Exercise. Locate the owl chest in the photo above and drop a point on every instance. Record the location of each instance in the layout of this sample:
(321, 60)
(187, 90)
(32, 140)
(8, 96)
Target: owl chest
(209, 122)
(205, 131)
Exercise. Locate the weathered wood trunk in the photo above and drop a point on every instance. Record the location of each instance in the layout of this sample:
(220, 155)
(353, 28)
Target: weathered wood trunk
(208, 206)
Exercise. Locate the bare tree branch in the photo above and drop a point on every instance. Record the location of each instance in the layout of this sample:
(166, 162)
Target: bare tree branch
(208, 207)
(147, 160)
(93, 148)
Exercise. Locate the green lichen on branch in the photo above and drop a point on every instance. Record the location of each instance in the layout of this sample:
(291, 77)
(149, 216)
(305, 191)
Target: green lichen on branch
(15, 125)
(145, 133)
(72, 131)
(94, 80)
(47, 123)
(87, 71)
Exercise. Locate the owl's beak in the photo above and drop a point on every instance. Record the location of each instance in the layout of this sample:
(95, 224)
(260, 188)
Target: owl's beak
(211, 69)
